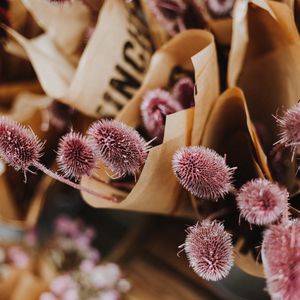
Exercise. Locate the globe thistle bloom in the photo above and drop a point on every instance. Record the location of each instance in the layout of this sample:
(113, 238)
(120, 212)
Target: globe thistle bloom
(209, 250)
(156, 105)
(169, 13)
(75, 156)
(262, 202)
(289, 125)
(19, 146)
(21, 149)
(220, 8)
(203, 172)
(281, 260)
(120, 147)
(183, 91)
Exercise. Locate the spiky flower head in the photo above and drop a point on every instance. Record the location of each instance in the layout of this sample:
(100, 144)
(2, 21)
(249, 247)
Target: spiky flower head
(281, 260)
(183, 91)
(75, 156)
(121, 147)
(19, 146)
(167, 13)
(203, 172)
(289, 126)
(262, 202)
(220, 8)
(209, 250)
(156, 105)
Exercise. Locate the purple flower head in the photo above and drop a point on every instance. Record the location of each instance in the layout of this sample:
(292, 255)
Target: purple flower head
(121, 147)
(203, 172)
(281, 260)
(156, 105)
(262, 202)
(209, 250)
(183, 91)
(289, 125)
(220, 8)
(168, 13)
(19, 146)
(75, 156)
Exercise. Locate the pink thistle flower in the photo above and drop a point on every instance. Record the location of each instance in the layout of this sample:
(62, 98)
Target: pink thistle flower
(19, 146)
(121, 147)
(169, 13)
(156, 105)
(183, 91)
(209, 250)
(289, 125)
(75, 156)
(220, 8)
(281, 260)
(262, 202)
(203, 172)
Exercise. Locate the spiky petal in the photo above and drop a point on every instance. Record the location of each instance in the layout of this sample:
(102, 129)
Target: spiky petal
(262, 202)
(183, 91)
(209, 250)
(19, 146)
(121, 147)
(281, 260)
(220, 8)
(289, 126)
(156, 105)
(75, 156)
(203, 172)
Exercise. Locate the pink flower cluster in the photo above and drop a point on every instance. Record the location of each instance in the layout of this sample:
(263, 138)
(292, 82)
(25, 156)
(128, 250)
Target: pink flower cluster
(101, 282)
(121, 147)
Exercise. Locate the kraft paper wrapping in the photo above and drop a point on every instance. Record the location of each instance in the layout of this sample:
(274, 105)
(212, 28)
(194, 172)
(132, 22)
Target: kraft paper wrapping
(27, 109)
(230, 132)
(29, 287)
(266, 65)
(110, 69)
(157, 190)
(65, 24)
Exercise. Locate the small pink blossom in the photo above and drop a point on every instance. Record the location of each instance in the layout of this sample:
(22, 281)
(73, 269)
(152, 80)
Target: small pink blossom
(87, 265)
(156, 105)
(203, 172)
(209, 250)
(111, 295)
(262, 202)
(18, 257)
(183, 91)
(120, 147)
(48, 296)
(220, 8)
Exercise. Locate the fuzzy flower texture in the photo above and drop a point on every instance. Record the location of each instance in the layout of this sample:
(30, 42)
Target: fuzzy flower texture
(262, 202)
(209, 250)
(281, 260)
(203, 172)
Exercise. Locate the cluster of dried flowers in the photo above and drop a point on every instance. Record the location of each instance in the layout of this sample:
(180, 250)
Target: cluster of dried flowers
(208, 246)
(119, 146)
(82, 276)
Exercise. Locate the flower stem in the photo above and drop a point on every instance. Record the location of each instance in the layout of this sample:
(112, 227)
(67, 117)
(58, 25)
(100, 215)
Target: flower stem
(72, 184)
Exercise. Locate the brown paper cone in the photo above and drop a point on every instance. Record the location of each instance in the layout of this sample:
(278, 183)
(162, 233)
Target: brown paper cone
(65, 24)
(29, 287)
(110, 70)
(266, 66)
(8, 284)
(157, 190)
